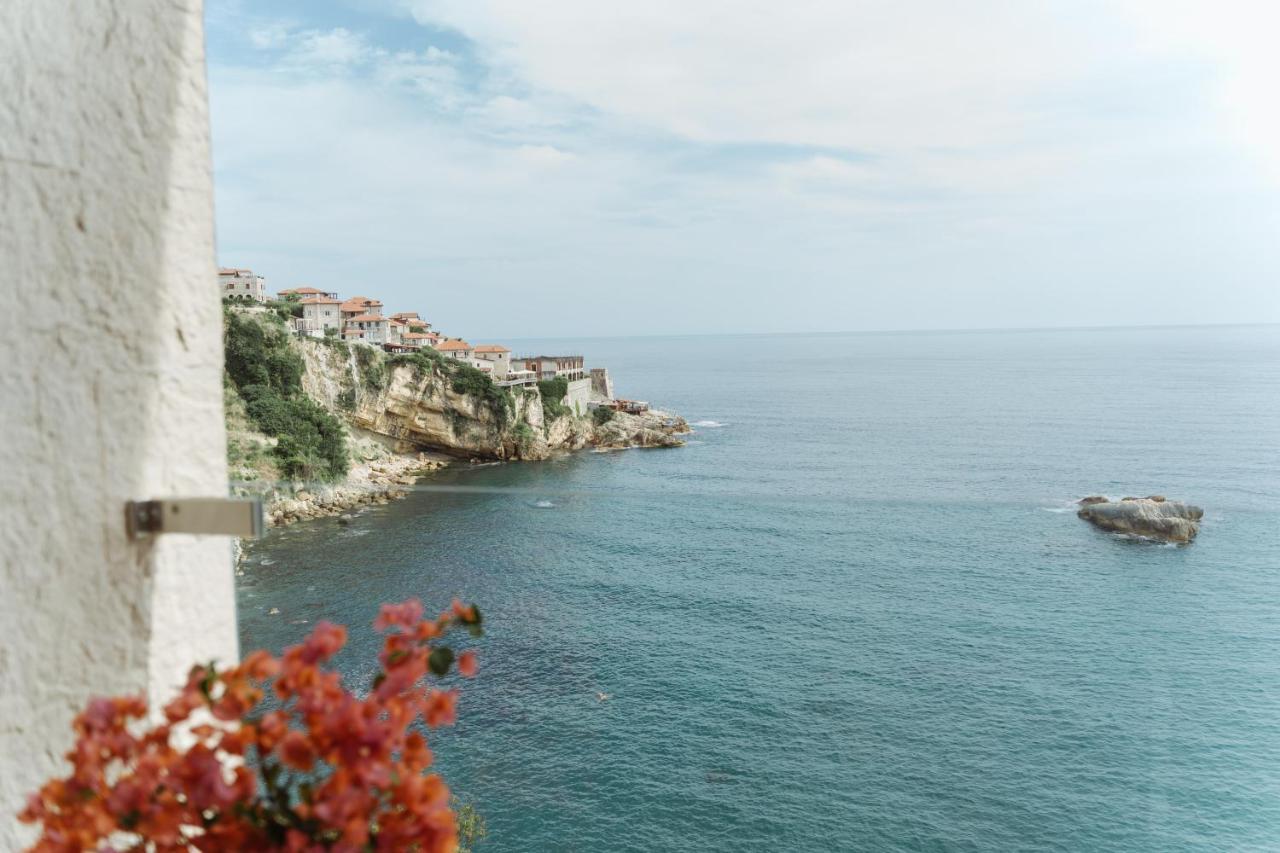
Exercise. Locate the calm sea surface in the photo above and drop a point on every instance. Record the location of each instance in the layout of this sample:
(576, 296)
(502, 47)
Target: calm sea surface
(856, 612)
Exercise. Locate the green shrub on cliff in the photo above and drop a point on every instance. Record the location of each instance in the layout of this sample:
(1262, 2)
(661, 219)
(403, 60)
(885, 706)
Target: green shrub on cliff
(602, 415)
(370, 363)
(285, 309)
(553, 392)
(469, 380)
(267, 373)
(261, 355)
(424, 361)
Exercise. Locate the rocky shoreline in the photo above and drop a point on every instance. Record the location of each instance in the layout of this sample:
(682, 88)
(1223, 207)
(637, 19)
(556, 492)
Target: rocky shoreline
(380, 481)
(372, 483)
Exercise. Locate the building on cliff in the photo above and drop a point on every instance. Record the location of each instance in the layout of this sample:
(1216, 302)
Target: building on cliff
(553, 366)
(375, 327)
(456, 348)
(421, 339)
(242, 283)
(305, 293)
(413, 319)
(498, 356)
(358, 305)
(319, 314)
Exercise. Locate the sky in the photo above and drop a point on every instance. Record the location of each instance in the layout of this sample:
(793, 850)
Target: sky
(588, 168)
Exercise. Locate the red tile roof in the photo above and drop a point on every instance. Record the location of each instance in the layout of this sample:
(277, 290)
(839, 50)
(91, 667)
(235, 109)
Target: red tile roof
(367, 318)
(492, 348)
(453, 346)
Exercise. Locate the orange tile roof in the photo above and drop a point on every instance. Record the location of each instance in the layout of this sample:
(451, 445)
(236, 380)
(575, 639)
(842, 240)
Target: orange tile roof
(301, 290)
(454, 345)
(419, 335)
(367, 318)
(318, 300)
(491, 348)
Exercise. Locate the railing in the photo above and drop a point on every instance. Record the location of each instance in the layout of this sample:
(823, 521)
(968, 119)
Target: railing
(516, 380)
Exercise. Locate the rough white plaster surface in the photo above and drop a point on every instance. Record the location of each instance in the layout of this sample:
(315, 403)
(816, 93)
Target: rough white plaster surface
(110, 367)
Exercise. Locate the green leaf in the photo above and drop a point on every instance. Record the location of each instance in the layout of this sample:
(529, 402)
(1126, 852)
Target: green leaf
(378, 679)
(440, 660)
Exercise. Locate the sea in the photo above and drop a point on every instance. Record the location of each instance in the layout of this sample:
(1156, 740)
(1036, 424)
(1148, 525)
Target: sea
(857, 610)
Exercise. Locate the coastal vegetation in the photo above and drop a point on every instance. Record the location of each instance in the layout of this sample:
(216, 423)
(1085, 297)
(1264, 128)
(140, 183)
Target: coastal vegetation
(278, 753)
(372, 369)
(553, 392)
(602, 415)
(266, 374)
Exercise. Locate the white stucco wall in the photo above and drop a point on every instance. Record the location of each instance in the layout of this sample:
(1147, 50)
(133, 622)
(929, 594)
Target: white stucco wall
(114, 390)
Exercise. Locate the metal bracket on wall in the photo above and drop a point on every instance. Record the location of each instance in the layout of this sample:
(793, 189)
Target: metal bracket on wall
(209, 516)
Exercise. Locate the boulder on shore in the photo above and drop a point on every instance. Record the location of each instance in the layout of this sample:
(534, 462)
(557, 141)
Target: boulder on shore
(1154, 517)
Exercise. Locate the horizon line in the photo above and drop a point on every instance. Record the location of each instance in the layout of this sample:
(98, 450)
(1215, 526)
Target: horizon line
(908, 331)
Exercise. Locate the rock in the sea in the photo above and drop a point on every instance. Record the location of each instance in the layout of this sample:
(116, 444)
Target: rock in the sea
(1153, 517)
(1093, 499)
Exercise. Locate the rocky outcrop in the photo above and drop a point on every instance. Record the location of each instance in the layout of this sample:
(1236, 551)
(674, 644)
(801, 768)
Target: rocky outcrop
(651, 429)
(1151, 517)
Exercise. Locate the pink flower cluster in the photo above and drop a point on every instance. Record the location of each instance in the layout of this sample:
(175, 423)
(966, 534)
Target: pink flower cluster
(321, 769)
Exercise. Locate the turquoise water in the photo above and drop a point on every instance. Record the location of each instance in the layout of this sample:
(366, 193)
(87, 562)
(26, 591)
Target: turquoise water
(858, 613)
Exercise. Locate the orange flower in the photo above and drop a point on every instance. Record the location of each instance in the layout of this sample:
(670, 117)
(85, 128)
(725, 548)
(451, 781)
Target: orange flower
(324, 642)
(404, 615)
(467, 664)
(441, 708)
(296, 752)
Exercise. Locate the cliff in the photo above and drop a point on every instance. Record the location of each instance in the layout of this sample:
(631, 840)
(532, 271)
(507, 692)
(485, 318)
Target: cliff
(349, 425)
(427, 403)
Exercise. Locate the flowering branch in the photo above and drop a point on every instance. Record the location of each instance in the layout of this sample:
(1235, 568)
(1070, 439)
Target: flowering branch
(312, 767)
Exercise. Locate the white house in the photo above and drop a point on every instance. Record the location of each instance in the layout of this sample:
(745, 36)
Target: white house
(396, 330)
(498, 355)
(357, 305)
(374, 326)
(420, 339)
(320, 313)
(412, 318)
(238, 282)
(456, 348)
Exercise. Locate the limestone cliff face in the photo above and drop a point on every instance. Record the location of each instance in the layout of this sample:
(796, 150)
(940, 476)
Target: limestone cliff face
(412, 407)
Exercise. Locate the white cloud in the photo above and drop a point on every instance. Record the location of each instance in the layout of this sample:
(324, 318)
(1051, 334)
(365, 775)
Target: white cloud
(543, 155)
(813, 165)
(337, 47)
(269, 35)
(878, 76)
